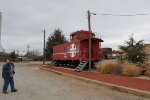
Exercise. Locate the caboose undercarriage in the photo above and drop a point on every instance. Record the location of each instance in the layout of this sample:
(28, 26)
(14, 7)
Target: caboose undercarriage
(71, 63)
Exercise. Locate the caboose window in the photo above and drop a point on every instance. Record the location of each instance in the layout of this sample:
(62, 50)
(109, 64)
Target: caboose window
(74, 36)
(70, 37)
(68, 49)
(99, 44)
(78, 36)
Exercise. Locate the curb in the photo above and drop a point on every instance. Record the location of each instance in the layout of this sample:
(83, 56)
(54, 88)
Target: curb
(108, 85)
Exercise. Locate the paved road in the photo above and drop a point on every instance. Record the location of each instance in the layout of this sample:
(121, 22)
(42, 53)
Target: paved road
(36, 84)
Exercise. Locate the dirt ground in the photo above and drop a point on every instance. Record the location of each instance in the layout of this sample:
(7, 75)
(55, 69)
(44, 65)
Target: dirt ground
(35, 84)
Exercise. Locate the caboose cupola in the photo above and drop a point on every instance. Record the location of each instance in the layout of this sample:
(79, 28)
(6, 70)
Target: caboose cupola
(80, 35)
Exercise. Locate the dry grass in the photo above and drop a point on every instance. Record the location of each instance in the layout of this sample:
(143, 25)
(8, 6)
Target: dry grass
(147, 73)
(126, 69)
(131, 70)
(109, 67)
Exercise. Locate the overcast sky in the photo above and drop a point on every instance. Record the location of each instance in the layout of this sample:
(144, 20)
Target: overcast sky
(24, 20)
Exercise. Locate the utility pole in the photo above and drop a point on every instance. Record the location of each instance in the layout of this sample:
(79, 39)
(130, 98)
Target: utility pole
(44, 48)
(28, 54)
(28, 47)
(90, 42)
(1, 48)
(89, 26)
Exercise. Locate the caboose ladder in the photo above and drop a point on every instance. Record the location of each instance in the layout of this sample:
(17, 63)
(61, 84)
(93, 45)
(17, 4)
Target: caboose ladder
(81, 65)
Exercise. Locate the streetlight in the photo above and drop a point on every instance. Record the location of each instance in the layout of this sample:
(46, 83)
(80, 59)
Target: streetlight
(90, 32)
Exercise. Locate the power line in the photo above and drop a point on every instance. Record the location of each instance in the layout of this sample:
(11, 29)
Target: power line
(109, 14)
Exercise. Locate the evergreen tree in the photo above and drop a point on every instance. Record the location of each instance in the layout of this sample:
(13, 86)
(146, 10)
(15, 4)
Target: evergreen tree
(12, 55)
(134, 51)
(54, 39)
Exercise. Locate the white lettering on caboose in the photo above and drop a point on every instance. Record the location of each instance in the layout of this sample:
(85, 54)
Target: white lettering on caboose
(73, 50)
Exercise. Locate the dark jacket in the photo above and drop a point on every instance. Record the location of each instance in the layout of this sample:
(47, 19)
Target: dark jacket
(6, 71)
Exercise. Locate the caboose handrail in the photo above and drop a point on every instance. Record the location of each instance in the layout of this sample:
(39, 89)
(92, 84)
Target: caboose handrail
(83, 57)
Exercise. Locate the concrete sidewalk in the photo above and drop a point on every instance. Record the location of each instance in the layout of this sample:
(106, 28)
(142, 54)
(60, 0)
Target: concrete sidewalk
(122, 83)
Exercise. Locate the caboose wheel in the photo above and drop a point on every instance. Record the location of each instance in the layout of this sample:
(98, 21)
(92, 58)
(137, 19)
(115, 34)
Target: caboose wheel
(75, 63)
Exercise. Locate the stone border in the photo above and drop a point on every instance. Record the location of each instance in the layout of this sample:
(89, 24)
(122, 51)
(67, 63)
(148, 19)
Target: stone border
(111, 86)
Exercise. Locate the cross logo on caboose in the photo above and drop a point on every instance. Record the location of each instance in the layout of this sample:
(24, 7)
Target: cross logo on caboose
(72, 50)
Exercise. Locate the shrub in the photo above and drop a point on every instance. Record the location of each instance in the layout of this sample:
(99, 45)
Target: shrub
(109, 67)
(130, 70)
(147, 73)
(98, 67)
(117, 69)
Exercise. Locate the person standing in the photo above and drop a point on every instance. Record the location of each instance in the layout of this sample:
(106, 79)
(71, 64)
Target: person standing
(7, 74)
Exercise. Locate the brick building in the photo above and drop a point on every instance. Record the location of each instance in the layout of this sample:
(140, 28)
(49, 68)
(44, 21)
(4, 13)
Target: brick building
(107, 53)
(147, 50)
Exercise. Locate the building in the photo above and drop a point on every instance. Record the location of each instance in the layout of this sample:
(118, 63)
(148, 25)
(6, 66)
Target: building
(117, 54)
(147, 50)
(107, 53)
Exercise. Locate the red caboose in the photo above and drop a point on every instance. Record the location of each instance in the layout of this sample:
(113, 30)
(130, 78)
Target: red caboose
(77, 50)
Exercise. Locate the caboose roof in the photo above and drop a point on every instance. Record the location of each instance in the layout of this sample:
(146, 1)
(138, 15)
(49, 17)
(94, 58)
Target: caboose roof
(100, 40)
(81, 31)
